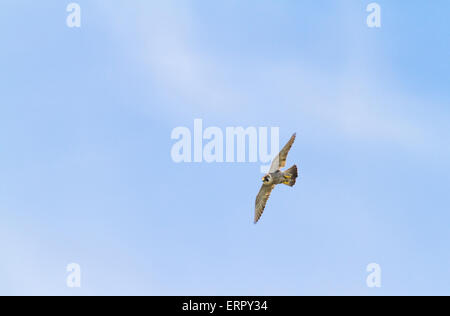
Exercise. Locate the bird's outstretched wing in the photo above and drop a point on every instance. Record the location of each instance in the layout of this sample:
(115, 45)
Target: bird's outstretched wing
(261, 200)
(280, 160)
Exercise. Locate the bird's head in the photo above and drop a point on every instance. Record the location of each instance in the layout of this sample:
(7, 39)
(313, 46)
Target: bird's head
(267, 179)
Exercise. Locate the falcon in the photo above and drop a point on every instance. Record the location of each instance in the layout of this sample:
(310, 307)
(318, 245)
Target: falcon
(274, 177)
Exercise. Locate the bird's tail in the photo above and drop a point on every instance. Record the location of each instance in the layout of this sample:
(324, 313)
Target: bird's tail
(291, 175)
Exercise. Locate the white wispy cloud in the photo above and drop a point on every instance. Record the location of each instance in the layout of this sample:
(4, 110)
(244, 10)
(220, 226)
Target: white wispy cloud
(354, 103)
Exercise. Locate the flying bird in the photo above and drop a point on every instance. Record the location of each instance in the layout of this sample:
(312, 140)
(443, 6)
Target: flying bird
(274, 177)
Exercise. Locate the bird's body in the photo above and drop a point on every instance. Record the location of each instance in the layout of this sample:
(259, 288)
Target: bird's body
(275, 177)
(278, 177)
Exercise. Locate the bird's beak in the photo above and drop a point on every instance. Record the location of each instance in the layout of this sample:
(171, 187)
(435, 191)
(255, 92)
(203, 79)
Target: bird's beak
(262, 179)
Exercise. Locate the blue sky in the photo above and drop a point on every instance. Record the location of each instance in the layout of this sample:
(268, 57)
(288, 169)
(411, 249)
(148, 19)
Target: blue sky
(86, 173)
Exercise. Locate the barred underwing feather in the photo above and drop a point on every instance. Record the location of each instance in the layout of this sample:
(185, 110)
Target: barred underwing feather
(261, 200)
(280, 160)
